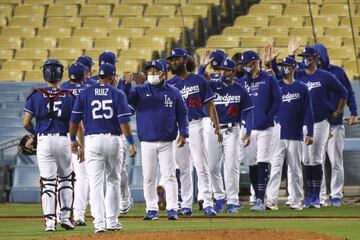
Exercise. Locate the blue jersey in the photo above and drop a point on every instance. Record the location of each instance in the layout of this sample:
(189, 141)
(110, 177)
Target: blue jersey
(295, 111)
(265, 95)
(95, 79)
(75, 88)
(320, 84)
(102, 108)
(56, 121)
(196, 92)
(160, 112)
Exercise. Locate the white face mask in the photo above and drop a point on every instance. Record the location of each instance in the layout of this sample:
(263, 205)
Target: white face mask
(153, 79)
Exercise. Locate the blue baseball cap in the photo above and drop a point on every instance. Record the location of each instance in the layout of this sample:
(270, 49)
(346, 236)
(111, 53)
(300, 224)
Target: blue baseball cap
(177, 52)
(218, 56)
(77, 72)
(107, 69)
(164, 63)
(86, 60)
(156, 64)
(288, 61)
(308, 51)
(249, 56)
(228, 64)
(107, 57)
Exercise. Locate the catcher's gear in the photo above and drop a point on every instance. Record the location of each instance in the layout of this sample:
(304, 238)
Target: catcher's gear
(27, 145)
(53, 70)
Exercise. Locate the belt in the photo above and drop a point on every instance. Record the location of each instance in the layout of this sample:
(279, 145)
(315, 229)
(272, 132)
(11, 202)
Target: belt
(229, 125)
(53, 134)
(105, 134)
(194, 119)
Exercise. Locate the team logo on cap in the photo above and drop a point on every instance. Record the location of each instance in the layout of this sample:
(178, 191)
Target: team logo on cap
(225, 63)
(173, 52)
(214, 63)
(284, 59)
(101, 72)
(153, 63)
(72, 76)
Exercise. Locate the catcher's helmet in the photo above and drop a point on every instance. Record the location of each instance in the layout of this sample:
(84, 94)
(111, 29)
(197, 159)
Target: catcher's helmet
(53, 70)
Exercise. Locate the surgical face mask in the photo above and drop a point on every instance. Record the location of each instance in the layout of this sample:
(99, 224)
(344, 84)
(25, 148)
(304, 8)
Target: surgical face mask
(153, 79)
(249, 69)
(306, 62)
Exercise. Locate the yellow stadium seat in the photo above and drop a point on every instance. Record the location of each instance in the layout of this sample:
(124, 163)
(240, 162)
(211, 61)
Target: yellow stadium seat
(317, 2)
(10, 42)
(31, 54)
(305, 31)
(239, 31)
(171, 2)
(3, 21)
(76, 42)
(336, 10)
(5, 10)
(6, 54)
(95, 11)
(159, 11)
(39, 63)
(144, 2)
(39, 2)
(94, 53)
(171, 32)
(66, 22)
(338, 1)
(252, 21)
(26, 22)
(18, 32)
(330, 42)
(90, 32)
(127, 65)
(11, 75)
(128, 11)
(338, 32)
(255, 42)
(109, 2)
(214, 2)
(284, 41)
(135, 22)
(348, 42)
(272, 31)
(66, 54)
(78, 2)
(135, 53)
(177, 22)
(194, 10)
(301, 10)
(287, 21)
(155, 43)
(341, 53)
(323, 21)
(127, 32)
(266, 9)
(276, 1)
(222, 42)
(29, 10)
(232, 51)
(40, 43)
(34, 76)
(57, 32)
(100, 22)
(15, 2)
(112, 42)
(62, 10)
(351, 65)
(345, 21)
(23, 65)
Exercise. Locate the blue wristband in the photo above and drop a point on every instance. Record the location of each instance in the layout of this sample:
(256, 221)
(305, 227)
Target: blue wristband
(73, 138)
(130, 139)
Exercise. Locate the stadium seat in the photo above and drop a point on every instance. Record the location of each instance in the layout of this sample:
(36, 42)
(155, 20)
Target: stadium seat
(171, 32)
(11, 75)
(15, 2)
(90, 32)
(177, 22)
(31, 54)
(345, 21)
(3, 22)
(287, 21)
(66, 54)
(305, 31)
(255, 42)
(5, 10)
(171, 2)
(301, 10)
(23, 65)
(124, 65)
(100, 22)
(78, 2)
(232, 51)
(62, 11)
(34, 76)
(112, 43)
(6, 54)
(252, 21)
(194, 10)
(351, 65)
(94, 53)
(39, 2)
(122, 10)
(66, 22)
(214, 2)
(341, 53)
(76, 42)
(29, 10)
(10, 42)
(284, 41)
(132, 53)
(95, 11)
(155, 43)
(266, 10)
(159, 11)
(137, 22)
(239, 31)
(39, 63)
(144, 2)
(323, 21)
(330, 42)
(336, 10)
(272, 31)
(57, 32)
(338, 32)
(26, 22)
(107, 2)
(348, 42)
(222, 42)
(40, 43)
(317, 2)
(276, 1)
(127, 32)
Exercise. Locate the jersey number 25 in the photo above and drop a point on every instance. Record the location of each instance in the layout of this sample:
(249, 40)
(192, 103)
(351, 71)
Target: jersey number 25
(102, 109)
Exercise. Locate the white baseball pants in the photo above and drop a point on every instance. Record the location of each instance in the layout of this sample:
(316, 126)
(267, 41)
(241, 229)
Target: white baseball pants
(125, 199)
(259, 149)
(81, 189)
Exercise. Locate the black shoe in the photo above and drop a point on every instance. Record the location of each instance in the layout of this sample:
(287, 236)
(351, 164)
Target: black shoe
(201, 202)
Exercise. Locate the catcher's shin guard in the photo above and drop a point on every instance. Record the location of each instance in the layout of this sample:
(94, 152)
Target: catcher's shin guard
(48, 197)
(66, 195)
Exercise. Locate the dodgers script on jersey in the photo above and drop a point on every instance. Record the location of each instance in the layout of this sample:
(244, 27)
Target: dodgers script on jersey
(196, 92)
(108, 106)
(38, 105)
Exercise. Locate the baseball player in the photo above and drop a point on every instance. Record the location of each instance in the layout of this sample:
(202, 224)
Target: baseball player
(239, 73)
(266, 97)
(87, 62)
(335, 144)
(51, 107)
(105, 57)
(105, 114)
(196, 93)
(320, 84)
(158, 100)
(295, 111)
(214, 58)
(231, 101)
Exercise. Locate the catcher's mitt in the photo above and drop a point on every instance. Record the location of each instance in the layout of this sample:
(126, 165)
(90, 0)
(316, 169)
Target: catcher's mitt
(27, 145)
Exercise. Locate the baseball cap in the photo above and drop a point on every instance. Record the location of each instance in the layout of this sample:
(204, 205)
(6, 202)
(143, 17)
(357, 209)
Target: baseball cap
(249, 56)
(218, 56)
(86, 60)
(164, 63)
(156, 64)
(106, 70)
(228, 64)
(308, 51)
(107, 57)
(288, 61)
(177, 52)
(77, 72)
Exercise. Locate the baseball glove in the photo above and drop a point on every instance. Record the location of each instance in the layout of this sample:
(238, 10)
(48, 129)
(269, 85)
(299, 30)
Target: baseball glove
(27, 145)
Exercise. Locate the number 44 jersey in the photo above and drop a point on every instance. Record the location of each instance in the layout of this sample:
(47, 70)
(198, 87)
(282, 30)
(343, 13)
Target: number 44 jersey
(102, 108)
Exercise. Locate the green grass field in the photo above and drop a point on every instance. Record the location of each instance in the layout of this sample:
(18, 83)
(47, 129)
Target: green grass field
(23, 221)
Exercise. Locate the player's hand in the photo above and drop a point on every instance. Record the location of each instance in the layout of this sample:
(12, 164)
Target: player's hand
(353, 120)
(335, 115)
(294, 45)
(128, 78)
(274, 53)
(219, 134)
(116, 81)
(139, 78)
(132, 150)
(267, 55)
(205, 58)
(77, 149)
(246, 140)
(308, 140)
(180, 141)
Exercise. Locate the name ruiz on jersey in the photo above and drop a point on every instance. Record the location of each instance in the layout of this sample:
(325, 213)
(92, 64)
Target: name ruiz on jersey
(290, 97)
(312, 85)
(226, 100)
(186, 91)
(101, 91)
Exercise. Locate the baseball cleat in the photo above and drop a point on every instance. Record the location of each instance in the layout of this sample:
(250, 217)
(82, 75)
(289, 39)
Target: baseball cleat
(172, 214)
(50, 229)
(126, 210)
(240, 205)
(307, 202)
(336, 202)
(99, 230)
(67, 224)
(117, 227)
(80, 220)
(259, 206)
(201, 203)
(272, 207)
(296, 206)
(315, 201)
(252, 200)
(161, 197)
(50, 225)
(232, 208)
(209, 212)
(219, 204)
(288, 203)
(151, 215)
(186, 212)
(323, 203)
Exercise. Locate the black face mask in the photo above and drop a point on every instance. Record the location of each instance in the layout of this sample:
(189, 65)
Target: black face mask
(181, 68)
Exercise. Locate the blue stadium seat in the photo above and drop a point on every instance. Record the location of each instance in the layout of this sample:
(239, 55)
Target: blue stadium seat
(26, 186)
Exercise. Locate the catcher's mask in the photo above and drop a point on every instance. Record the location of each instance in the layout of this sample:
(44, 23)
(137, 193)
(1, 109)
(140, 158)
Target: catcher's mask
(53, 70)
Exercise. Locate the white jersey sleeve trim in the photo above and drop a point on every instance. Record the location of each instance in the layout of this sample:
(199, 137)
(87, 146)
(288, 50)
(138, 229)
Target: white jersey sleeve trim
(124, 114)
(27, 110)
(77, 112)
(210, 98)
